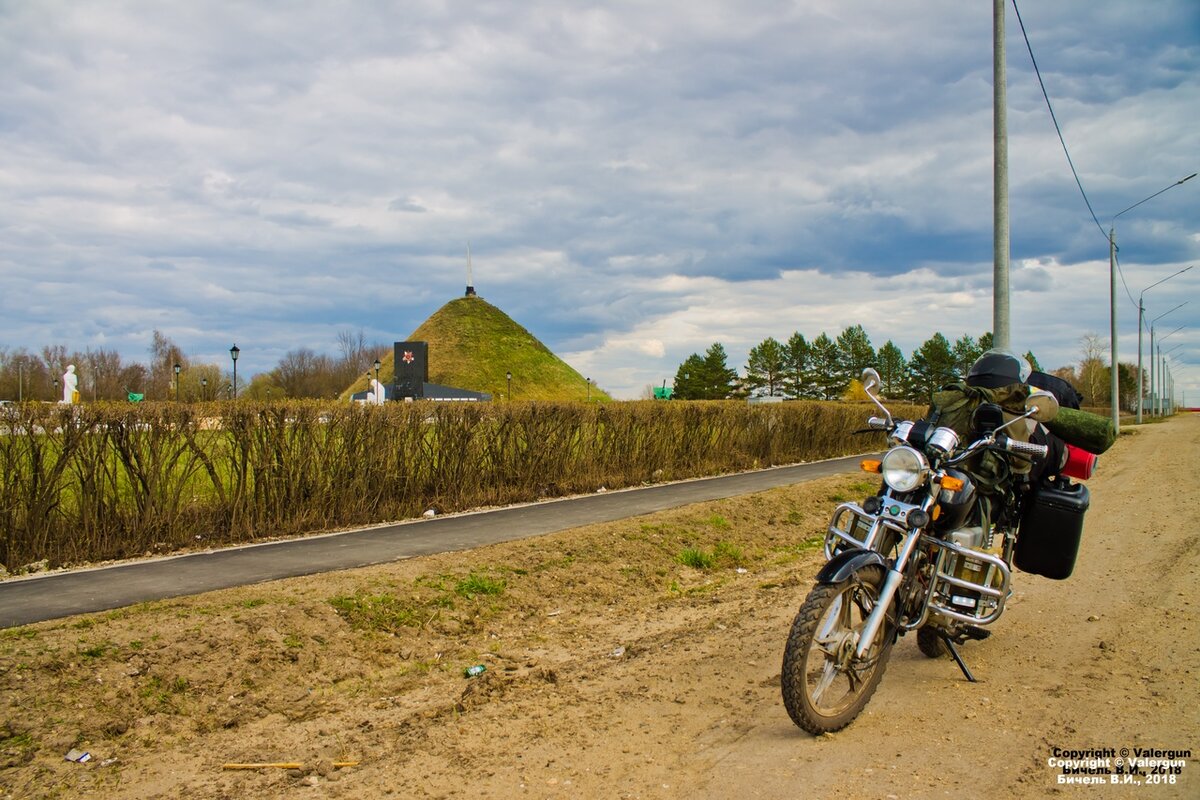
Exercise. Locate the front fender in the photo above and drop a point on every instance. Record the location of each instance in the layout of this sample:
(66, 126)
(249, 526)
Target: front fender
(847, 562)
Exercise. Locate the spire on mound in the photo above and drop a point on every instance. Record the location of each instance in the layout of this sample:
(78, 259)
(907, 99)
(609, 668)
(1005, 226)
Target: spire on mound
(470, 280)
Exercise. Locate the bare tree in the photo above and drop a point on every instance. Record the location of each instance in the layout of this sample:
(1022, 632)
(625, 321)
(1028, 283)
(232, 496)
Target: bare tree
(1093, 373)
(357, 355)
(102, 375)
(164, 355)
(352, 345)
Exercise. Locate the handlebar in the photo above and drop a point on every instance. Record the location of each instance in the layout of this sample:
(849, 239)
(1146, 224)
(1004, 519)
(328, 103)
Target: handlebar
(1006, 443)
(1038, 451)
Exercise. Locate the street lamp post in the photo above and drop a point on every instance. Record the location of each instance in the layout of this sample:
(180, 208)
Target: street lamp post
(508, 375)
(1162, 365)
(1153, 364)
(177, 369)
(56, 387)
(234, 352)
(589, 385)
(1112, 270)
(204, 389)
(1141, 325)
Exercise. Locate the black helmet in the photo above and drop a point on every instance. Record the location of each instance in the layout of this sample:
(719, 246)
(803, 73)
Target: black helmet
(997, 368)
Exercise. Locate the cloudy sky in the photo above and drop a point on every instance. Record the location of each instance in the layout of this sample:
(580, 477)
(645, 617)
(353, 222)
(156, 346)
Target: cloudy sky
(636, 180)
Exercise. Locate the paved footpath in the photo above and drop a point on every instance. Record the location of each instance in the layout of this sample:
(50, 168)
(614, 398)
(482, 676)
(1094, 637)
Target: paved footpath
(42, 597)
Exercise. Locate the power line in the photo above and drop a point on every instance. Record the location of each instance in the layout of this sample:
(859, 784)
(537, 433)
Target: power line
(1041, 83)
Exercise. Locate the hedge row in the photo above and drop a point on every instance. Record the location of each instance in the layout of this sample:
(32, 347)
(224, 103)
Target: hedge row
(96, 482)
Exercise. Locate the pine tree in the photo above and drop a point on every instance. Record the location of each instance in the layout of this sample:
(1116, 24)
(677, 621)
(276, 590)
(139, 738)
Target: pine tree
(766, 368)
(966, 351)
(689, 377)
(931, 367)
(797, 381)
(824, 361)
(891, 369)
(854, 353)
(718, 378)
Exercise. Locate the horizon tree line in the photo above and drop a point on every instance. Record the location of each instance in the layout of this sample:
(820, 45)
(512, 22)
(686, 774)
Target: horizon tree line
(825, 368)
(105, 375)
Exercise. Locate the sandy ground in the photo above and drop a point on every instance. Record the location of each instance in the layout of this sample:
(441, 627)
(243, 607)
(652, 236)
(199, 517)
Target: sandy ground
(614, 669)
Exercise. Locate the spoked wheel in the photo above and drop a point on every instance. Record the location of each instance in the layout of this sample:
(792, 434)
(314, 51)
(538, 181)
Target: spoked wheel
(825, 685)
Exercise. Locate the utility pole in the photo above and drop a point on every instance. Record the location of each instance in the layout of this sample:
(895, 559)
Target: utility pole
(1141, 326)
(1000, 293)
(1112, 296)
(1114, 387)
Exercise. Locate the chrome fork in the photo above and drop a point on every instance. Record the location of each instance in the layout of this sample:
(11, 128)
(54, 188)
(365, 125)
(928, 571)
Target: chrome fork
(887, 593)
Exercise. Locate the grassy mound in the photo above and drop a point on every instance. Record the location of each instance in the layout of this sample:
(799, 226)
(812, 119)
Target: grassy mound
(473, 344)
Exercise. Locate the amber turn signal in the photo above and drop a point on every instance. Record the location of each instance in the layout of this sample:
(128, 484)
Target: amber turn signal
(871, 466)
(952, 484)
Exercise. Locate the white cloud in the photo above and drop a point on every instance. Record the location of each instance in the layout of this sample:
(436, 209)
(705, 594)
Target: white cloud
(636, 181)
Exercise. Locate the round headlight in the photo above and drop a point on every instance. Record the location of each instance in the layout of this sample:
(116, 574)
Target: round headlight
(904, 469)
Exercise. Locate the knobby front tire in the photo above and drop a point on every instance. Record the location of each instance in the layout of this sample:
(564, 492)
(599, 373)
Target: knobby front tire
(824, 685)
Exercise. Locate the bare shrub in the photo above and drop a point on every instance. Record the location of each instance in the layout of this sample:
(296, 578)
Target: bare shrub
(103, 481)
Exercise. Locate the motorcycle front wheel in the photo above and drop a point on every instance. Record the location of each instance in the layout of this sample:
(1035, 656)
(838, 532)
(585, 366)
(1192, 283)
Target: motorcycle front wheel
(825, 685)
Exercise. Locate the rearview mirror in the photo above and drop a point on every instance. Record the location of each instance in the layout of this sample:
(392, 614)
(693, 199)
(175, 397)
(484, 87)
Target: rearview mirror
(1041, 406)
(870, 380)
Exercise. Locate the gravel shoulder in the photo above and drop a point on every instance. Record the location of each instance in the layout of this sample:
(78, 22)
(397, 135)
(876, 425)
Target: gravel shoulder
(615, 669)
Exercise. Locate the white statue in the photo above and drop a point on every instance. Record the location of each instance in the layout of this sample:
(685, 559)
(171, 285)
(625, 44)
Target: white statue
(70, 384)
(376, 395)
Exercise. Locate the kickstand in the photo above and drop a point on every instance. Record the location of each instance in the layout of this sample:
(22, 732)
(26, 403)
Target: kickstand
(957, 658)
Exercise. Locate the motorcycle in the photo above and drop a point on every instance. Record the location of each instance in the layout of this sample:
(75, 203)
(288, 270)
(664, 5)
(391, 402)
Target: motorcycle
(932, 552)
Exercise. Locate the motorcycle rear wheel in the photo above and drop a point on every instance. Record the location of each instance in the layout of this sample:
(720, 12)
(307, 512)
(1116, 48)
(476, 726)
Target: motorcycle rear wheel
(825, 686)
(929, 642)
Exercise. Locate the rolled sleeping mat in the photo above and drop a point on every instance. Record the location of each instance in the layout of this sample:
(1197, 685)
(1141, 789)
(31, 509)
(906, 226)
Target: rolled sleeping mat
(1091, 432)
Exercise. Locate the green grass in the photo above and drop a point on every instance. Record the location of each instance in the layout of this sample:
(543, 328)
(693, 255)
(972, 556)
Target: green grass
(378, 612)
(728, 554)
(19, 633)
(475, 584)
(163, 695)
(723, 554)
(386, 612)
(95, 651)
(696, 558)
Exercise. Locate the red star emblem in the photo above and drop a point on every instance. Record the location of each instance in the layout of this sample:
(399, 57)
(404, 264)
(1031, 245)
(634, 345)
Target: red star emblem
(408, 357)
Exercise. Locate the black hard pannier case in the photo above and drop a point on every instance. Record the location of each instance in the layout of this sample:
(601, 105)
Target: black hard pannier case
(1048, 541)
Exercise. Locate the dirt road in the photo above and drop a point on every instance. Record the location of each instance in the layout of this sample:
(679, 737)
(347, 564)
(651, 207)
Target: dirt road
(637, 658)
